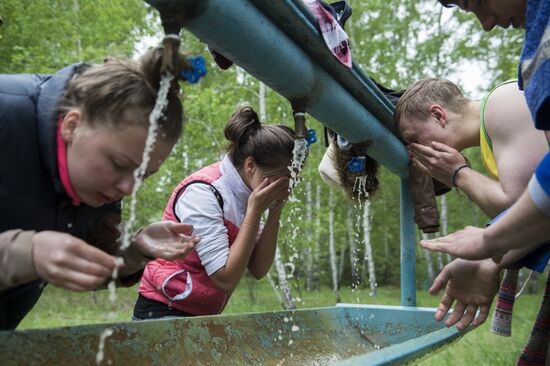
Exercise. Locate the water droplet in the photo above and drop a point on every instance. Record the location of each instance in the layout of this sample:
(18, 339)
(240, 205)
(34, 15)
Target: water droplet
(100, 352)
(112, 291)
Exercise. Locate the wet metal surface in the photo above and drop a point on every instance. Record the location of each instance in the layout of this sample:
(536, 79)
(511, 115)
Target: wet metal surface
(300, 337)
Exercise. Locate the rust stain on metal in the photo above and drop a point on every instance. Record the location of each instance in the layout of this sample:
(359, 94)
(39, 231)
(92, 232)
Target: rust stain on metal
(304, 337)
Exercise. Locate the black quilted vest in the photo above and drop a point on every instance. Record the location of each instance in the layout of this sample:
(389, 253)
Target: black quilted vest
(31, 194)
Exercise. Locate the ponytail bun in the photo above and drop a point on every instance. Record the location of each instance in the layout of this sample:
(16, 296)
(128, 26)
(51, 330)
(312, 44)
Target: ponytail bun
(241, 125)
(269, 145)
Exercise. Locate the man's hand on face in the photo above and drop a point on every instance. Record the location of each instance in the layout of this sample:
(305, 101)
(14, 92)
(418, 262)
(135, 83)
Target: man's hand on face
(437, 160)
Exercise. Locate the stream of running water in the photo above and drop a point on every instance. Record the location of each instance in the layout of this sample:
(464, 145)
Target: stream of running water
(139, 173)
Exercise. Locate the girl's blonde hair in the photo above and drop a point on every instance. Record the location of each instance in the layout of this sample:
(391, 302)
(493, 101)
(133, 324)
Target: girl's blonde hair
(123, 92)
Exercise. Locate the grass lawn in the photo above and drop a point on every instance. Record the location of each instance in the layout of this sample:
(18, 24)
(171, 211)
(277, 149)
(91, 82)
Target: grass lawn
(478, 347)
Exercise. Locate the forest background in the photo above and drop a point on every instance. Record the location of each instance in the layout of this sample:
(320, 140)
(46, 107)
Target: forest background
(395, 42)
(325, 241)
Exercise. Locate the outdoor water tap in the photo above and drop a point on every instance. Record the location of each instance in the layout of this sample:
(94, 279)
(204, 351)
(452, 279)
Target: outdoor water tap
(300, 130)
(174, 62)
(171, 56)
(172, 14)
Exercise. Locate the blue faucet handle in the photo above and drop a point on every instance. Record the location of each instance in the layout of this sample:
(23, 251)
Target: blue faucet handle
(357, 164)
(199, 70)
(311, 137)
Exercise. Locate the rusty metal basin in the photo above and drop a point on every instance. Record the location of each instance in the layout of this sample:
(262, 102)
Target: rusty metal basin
(345, 335)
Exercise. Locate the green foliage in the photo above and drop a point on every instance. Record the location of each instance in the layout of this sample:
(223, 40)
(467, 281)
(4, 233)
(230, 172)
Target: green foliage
(43, 36)
(397, 42)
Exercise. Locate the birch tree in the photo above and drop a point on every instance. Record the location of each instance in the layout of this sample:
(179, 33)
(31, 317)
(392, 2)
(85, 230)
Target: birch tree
(353, 252)
(309, 237)
(275, 289)
(369, 258)
(428, 259)
(341, 263)
(444, 222)
(283, 282)
(332, 249)
(317, 250)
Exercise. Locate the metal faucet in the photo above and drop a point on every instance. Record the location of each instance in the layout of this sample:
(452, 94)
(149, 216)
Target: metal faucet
(171, 58)
(172, 14)
(300, 130)
(172, 21)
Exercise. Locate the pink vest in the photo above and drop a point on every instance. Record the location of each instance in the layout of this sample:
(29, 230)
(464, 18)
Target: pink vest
(184, 284)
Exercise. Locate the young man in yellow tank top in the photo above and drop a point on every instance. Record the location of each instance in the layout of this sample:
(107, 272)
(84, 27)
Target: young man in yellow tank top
(525, 224)
(438, 122)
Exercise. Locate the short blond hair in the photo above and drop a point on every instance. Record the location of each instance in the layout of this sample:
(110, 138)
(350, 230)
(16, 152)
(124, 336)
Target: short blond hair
(423, 93)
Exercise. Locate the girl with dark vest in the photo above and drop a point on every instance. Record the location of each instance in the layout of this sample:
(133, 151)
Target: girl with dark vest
(69, 145)
(224, 202)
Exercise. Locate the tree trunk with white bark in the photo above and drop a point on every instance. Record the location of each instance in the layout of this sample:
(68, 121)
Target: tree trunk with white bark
(332, 250)
(283, 283)
(369, 258)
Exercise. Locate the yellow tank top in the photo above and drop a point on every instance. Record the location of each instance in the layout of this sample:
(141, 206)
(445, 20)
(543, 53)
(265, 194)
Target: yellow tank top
(487, 156)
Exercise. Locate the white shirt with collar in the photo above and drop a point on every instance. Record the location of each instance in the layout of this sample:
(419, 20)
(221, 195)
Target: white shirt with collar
(199, 207)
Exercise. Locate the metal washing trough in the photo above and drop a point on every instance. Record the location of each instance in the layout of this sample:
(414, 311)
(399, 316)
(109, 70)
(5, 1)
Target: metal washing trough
(277, 42)
(346, 335)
